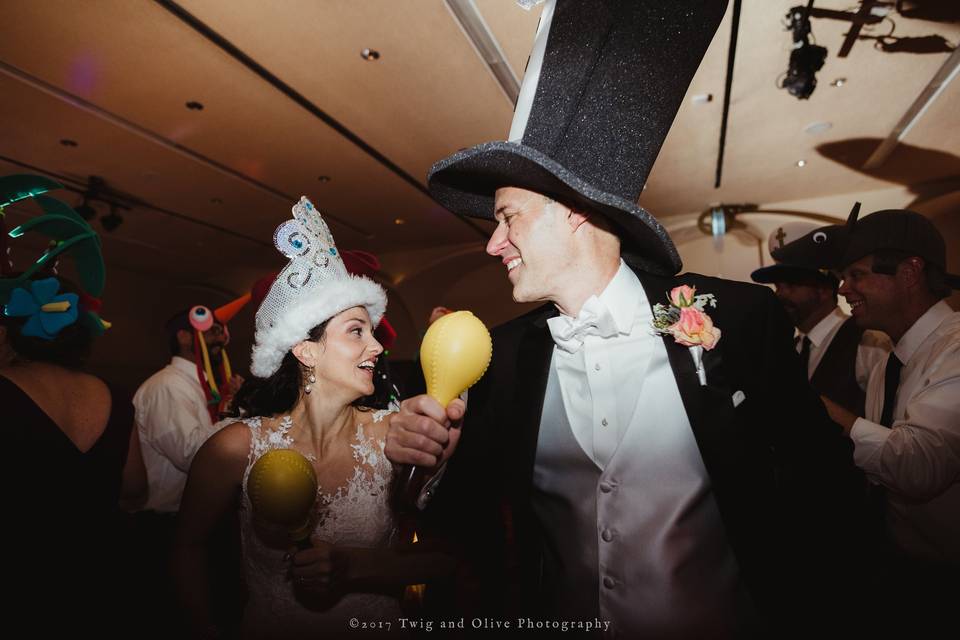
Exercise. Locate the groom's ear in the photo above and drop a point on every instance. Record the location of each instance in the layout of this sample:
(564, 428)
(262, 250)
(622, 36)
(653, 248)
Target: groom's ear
(576, 218)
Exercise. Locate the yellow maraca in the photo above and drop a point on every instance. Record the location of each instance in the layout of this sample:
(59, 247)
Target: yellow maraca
(455, 354)
(282, 486)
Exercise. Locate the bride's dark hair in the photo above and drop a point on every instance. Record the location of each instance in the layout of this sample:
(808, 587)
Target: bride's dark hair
(280, 392)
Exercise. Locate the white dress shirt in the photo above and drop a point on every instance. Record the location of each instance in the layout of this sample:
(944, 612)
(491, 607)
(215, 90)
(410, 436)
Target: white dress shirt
(173, 421)
(874, 346)
(918, 459)
(598, 414)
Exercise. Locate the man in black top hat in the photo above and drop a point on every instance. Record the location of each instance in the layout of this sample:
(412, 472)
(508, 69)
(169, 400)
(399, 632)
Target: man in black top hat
(676, 484)
(908, 438)
(838, 355)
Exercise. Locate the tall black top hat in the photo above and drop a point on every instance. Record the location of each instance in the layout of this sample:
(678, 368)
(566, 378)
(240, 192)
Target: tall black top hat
(612, 78)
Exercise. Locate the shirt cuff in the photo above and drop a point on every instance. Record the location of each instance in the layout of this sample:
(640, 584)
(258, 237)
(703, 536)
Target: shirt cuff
(869, 439)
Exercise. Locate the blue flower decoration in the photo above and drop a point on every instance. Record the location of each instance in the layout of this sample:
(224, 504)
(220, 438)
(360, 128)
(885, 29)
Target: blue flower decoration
(333, 251)
(44, 324)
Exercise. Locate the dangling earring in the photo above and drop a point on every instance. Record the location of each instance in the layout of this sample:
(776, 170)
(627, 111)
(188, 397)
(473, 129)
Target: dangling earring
(311, 379)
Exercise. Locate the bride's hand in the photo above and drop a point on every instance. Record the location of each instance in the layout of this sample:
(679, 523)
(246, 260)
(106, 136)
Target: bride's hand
(318, 574)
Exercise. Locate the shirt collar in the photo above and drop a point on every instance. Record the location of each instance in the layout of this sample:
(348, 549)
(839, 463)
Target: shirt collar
(623, 296)
(826, 325)
(182, 364)
(921, 330)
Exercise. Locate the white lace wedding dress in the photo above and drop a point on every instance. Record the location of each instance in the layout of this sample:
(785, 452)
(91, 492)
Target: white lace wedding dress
(355, 514)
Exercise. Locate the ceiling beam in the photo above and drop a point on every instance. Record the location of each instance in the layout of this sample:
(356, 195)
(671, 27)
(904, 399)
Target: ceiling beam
(927, 96)
(486, 45)
(237, 54)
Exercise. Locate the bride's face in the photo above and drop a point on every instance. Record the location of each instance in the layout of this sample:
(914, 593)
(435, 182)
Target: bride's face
(348, 353)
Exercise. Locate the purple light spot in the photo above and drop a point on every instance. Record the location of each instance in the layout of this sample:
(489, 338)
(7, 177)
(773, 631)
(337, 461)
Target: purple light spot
(84, 73)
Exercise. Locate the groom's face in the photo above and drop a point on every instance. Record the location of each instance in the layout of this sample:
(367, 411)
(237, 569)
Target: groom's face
(531, 239)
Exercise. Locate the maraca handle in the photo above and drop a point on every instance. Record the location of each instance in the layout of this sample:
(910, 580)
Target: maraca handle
(302, 544)
(412, 484)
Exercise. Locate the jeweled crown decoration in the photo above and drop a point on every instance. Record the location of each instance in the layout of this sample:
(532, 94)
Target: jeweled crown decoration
(314, 260)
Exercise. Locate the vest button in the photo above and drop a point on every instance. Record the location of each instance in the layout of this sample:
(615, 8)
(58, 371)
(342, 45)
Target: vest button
(607, 535)
(605, 487)
(609, 582)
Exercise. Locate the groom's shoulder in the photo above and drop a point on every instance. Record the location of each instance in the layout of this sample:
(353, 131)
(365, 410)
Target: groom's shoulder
(728, 292)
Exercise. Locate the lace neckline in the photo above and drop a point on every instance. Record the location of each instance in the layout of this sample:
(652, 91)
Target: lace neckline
(371, 468)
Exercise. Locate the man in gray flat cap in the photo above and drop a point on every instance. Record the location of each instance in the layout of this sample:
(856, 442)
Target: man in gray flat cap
(908, 438)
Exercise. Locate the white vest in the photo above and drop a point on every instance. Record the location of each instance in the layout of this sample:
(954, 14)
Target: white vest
(639, 543)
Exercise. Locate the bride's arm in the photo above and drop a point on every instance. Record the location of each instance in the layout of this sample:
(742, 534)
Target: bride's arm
(336, 569)
(389, 569)
(212, 491)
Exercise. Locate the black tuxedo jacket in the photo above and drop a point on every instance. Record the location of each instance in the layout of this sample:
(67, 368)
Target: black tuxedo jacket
(782, 472)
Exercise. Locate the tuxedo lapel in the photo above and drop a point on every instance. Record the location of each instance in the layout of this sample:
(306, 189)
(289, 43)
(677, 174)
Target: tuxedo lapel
(709, 407)
(533, 369)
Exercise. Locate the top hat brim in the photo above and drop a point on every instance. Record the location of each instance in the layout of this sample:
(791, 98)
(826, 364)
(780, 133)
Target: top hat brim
(465, 183)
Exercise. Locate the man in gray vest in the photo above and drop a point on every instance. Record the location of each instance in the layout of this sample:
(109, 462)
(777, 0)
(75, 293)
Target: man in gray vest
(636, 458)
(837, 354)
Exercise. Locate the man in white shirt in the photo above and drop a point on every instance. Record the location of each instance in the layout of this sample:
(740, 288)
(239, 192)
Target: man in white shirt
(908, 439)
(173, 411)
(837, 354)
(686, 484)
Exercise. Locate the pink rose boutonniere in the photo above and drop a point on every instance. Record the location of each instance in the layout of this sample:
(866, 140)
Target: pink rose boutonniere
(688, 323)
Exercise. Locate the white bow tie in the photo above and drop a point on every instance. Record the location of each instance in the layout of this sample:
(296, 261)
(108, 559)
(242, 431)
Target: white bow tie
(594, 319)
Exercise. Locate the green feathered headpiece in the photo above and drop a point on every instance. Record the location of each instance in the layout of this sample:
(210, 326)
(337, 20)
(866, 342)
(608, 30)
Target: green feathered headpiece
(66, 230)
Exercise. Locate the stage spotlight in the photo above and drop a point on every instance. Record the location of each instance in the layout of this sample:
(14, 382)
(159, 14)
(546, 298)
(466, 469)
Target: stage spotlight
(86, 211)
(112, 220)
(805, 59)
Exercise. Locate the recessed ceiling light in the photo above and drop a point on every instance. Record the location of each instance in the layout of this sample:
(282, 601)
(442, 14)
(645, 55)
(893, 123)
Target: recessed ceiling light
(399, 221)
(839, 82)
(370, 55)
(801, 163)
(817, 127)
(67, 142)
(193, 105)
(324, 178)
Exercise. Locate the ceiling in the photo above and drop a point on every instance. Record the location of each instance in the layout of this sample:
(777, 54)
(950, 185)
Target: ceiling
(290, 108)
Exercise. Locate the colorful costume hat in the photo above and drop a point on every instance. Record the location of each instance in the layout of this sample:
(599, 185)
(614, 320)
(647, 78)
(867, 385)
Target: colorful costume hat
(312, 288)
(358, 263)
(807, 258)
(607, 78)
(22, 295)
(364, 263)
(820, 248)
(199, 319)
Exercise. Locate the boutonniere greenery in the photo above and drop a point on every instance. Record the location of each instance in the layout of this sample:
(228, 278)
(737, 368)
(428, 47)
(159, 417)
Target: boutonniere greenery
(687, 321)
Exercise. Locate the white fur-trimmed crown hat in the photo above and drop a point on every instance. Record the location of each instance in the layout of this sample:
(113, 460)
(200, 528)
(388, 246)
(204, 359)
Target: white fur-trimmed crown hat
(312, 288)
